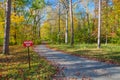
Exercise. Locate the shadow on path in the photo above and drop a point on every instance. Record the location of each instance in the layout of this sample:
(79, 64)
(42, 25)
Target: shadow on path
(78, 68)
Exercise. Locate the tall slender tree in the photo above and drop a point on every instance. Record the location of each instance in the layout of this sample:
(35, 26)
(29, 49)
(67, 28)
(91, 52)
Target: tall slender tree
(7, 28)
(66, 5)
(99, 23)
(66, 31)
(71, 24)
(59, 24)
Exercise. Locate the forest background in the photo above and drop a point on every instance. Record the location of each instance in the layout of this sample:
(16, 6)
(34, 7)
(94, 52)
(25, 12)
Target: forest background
(49, 20)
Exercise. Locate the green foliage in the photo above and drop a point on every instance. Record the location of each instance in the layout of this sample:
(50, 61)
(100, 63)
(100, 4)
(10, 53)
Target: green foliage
(38, 41)
(1, 41)
(38, 4)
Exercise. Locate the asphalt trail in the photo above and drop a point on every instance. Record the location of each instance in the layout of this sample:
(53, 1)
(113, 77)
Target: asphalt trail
(77, 68)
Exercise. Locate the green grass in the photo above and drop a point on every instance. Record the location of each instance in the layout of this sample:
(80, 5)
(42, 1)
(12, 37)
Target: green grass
(108, 53)
(15, 66)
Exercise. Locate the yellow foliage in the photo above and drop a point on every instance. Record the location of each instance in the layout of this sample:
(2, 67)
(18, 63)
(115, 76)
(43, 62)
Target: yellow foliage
(2, 23)
(16, 19)
(1, 30)
(45, 30)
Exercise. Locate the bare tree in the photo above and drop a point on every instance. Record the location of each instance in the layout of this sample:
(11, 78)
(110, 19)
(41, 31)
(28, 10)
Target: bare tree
(7, 28)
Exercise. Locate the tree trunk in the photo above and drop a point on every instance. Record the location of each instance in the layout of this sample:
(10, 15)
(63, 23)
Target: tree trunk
(99, 24)
(39, 36)
(71, 24)
(7, 28)
(88, 28)
(66, 32)
(15, 35)
(106, 41)
(39, 24)
(59, 25)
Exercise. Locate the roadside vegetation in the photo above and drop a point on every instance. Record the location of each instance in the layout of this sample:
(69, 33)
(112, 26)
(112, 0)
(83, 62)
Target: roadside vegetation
(109, 53)
(15, 66)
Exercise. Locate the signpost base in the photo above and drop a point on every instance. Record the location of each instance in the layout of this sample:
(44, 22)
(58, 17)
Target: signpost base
(29, 57)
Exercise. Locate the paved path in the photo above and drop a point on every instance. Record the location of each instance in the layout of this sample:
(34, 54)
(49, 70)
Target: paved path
(80, 68)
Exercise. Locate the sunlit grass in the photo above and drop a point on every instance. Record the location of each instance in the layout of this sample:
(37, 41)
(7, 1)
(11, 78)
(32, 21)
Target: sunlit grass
(15, 66)
(107, 53)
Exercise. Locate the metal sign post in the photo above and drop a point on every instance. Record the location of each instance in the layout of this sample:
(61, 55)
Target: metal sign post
(29, 57)
(28, 44)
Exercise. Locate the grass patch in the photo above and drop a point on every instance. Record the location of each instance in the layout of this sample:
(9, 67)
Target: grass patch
(108, 53)
(15, 66)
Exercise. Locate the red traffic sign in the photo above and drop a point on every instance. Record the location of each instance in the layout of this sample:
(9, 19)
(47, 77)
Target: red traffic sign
(27, 43)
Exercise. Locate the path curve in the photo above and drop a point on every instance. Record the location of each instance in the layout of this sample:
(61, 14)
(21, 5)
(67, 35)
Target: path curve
(77, 68)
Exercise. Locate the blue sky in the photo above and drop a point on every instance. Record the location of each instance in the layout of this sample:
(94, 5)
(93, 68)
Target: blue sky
(79, 7)
(1, 0)
(54, 2)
